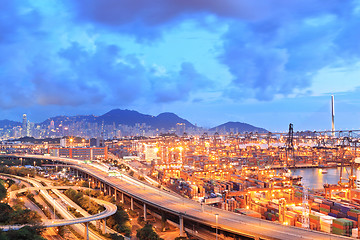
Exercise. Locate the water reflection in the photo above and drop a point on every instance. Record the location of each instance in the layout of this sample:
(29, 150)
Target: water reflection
(313, 178)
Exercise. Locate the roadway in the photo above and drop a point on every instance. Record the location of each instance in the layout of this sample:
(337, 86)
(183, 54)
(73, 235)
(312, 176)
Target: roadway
(110, 209)
(188, 209)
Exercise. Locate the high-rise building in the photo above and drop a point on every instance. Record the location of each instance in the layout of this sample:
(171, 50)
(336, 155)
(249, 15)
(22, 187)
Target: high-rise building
(180, 128)
(24, 126)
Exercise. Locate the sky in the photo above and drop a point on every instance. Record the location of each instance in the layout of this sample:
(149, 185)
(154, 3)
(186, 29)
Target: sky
(267, 63)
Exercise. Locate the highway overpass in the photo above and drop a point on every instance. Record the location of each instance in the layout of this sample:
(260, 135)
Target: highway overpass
(110, 209)
(180, 210)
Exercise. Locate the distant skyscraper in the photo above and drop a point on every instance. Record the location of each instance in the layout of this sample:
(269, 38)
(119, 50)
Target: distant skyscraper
(24, 126)
(180, 128)
(52, 125)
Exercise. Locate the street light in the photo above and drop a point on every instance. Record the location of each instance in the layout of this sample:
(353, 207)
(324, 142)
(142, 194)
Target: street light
(54, 208)
(216, 220)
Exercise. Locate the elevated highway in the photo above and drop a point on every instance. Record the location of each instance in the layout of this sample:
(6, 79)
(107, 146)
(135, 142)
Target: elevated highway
(110, 209)
(185, 210)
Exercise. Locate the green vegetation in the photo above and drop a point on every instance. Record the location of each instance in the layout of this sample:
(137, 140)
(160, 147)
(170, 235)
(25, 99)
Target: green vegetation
(84, 201)
(74, 212)
(120, 221)
(18, 162)
(18, 171)
(47, 212)
(24, 233)
(2, 191)
(114, 236)
(43, 209)
(147, 233)
(18, 215)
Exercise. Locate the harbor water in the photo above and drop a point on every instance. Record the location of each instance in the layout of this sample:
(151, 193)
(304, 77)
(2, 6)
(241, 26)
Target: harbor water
(315, 178)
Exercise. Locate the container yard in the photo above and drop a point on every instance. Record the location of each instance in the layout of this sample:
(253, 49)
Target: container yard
(251, 174)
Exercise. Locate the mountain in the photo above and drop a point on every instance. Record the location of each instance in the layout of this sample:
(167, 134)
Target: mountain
(238, 127)
(168, 120)
(130, 118)
(124, 117)
(8, 123)
(66, 120)
(164, 121)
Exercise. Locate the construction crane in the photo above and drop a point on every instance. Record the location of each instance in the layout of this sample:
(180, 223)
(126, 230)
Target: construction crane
(289, 145)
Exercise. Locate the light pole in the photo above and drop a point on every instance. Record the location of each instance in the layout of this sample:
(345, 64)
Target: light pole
(54, 209)
(216, 220)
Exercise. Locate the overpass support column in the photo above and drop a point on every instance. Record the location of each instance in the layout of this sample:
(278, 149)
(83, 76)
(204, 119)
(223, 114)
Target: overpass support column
(132, 203)
(181, 226)
(104, 225)
(145, 212)
(163, 221)
(86, 233)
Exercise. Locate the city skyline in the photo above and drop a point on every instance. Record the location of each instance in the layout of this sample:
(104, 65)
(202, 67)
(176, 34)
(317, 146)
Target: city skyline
(266, 64)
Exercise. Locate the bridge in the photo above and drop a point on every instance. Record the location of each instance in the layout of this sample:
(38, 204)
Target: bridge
(182, 211)
(110, 209)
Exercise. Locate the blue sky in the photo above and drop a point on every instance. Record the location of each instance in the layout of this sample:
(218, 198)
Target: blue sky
(267, 63)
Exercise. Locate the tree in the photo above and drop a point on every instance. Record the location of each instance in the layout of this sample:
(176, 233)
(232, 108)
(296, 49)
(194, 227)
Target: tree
(24, 233)
(2, 191)
(120, 221)
(5, 211)
(147, 233)
(24, 216)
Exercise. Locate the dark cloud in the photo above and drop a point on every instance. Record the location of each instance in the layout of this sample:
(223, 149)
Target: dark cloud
(271, 48)
(146, 19)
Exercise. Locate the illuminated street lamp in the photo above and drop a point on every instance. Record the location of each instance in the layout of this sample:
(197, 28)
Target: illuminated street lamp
(54, 209)
(216, 219)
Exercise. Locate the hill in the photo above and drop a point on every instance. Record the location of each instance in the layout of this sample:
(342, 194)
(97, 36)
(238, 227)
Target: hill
(237, 127)
(8, 123)
(124, 117)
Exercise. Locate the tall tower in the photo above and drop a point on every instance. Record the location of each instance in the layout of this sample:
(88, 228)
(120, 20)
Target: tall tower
(24, 125)
(332, 116)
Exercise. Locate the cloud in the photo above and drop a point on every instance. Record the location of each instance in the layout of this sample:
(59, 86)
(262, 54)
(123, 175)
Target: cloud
(179, 86)
(74, 57)
(271, 48)
(102, 75)
(280, 55)
(14, 20)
